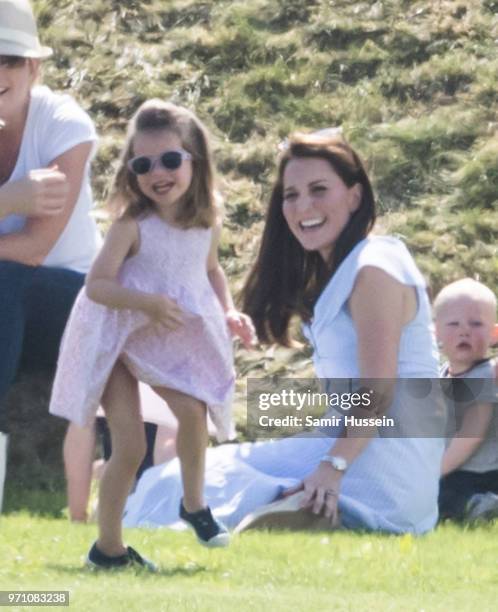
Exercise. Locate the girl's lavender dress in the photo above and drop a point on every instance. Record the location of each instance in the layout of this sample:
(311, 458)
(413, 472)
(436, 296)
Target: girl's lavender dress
(195, 359)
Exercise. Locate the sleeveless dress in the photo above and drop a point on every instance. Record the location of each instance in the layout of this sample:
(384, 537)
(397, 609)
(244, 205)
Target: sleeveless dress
(196, 359)
(392, 486)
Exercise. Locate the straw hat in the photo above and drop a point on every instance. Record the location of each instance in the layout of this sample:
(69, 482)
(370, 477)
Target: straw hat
(18, 33)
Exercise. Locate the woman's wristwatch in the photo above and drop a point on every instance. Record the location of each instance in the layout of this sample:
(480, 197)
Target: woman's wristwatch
(338, 463)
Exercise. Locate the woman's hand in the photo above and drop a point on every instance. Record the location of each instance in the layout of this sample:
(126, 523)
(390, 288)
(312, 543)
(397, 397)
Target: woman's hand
(43, 192)
(164, 311)
(321, 492)
(241, 326)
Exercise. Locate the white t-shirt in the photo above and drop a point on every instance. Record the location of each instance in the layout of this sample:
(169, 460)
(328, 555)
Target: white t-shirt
(55, 124)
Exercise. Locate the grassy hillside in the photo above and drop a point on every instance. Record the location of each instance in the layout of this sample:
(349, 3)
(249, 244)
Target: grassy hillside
(413, 84)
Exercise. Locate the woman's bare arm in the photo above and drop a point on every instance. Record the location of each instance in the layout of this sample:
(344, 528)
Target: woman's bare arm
(62, 188)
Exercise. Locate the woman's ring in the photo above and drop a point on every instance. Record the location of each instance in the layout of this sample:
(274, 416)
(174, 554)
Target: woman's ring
(330, 493)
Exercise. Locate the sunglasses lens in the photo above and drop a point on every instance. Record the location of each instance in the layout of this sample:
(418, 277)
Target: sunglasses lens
(140, 165)
(12, 61)
(171, 160)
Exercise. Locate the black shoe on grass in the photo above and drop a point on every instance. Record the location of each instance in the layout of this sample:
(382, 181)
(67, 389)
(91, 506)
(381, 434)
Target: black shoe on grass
(98, 560)
(210, 532)
(482, 507)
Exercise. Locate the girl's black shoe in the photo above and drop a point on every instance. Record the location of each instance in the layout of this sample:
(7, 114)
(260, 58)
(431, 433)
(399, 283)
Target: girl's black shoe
(210, 532)
(98, 560)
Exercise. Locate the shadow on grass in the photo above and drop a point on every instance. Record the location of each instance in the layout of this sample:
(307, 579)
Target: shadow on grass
(163, 572)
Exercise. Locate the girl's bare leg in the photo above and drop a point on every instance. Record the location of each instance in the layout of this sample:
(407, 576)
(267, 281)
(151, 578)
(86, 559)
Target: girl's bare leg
(79, 449)
(122, 409)
(191, 443)
(165, 444)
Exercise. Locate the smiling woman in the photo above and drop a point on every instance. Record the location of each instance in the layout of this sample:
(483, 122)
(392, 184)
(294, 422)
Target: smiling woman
(321, 206)
(317, 204)
(47, 237)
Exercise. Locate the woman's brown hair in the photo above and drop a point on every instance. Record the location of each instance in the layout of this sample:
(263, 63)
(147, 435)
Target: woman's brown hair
(198, 208)
(286, 280)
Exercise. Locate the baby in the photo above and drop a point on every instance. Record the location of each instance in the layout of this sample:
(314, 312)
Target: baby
(465, 317)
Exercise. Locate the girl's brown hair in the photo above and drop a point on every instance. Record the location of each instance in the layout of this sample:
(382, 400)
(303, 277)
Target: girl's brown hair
(286, 280)
(198, 208)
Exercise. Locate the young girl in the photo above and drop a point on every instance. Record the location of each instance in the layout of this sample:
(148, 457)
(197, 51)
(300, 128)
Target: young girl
(156, 309)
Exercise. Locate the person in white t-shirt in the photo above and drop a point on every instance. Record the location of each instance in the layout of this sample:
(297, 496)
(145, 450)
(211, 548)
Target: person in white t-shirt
(47, 237)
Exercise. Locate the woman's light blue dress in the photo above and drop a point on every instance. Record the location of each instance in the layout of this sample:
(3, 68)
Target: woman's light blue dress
(392, 486)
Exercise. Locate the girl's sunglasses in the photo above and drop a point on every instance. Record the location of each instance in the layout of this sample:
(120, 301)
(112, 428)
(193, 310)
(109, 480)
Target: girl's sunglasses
(171, 160)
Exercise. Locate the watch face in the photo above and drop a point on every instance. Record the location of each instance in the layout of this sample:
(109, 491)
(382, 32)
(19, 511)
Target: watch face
(340, 463)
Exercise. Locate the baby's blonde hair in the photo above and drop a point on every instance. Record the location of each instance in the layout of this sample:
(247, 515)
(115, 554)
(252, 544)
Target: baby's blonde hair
(464, 288)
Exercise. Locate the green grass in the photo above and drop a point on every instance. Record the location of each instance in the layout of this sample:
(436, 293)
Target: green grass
(451, 568)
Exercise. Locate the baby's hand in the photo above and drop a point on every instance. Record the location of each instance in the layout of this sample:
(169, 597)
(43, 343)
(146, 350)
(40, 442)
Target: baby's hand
(241, 325)
(165, 311)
